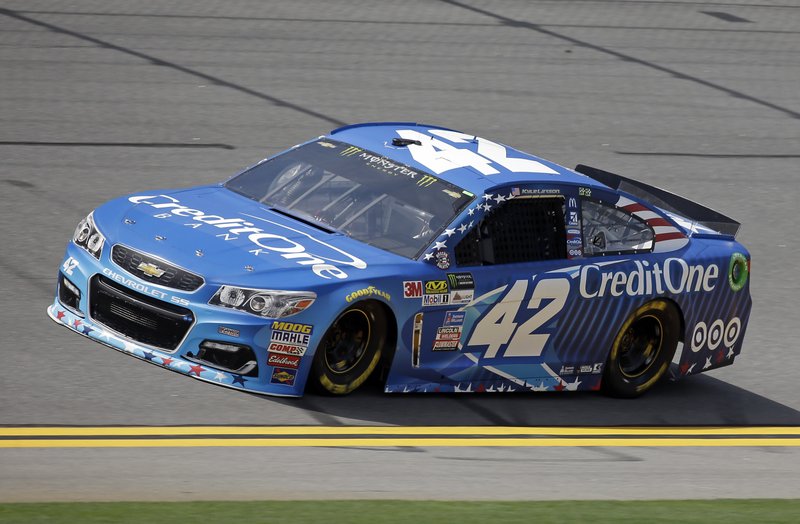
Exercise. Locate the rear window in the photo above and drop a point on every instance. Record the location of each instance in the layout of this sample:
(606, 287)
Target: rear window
(364, 195)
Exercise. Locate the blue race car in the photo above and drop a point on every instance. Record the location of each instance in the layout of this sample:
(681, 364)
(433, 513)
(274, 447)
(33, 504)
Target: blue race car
(433, 260)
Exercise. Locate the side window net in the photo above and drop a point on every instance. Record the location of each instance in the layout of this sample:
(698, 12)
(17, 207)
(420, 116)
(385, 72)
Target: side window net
(608, 230)
(520, 230)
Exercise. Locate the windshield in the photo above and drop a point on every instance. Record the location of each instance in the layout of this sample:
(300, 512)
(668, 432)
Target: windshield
(364, 195)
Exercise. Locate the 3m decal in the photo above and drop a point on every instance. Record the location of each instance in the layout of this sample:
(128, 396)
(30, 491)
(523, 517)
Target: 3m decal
(498, 329)
(412, 289)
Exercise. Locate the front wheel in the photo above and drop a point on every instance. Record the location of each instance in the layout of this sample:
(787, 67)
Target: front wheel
(642, 349)
(350, 349)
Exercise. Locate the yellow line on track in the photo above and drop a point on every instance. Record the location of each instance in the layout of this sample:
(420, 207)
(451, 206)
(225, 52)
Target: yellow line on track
(139, 431)
(399, 442)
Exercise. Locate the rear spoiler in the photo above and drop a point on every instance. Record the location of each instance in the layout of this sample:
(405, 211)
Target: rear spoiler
(664, 200)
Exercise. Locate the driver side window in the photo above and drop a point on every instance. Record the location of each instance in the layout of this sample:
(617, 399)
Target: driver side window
(608, 230)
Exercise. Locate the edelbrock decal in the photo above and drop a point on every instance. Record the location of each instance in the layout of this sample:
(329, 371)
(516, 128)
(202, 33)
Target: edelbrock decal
(322, 266)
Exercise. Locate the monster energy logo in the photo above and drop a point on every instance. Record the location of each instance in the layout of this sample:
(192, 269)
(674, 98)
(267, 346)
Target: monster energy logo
(350, 151)
(426, 181)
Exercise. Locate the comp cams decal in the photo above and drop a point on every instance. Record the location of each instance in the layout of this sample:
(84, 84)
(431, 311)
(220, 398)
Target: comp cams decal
(322, 265)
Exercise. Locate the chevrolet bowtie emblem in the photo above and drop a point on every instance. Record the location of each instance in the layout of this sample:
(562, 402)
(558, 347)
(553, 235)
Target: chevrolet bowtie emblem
(150, 270)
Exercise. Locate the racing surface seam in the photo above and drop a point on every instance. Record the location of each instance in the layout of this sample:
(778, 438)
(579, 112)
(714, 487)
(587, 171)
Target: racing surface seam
(510, 22)
(396, 22)
(177, 67)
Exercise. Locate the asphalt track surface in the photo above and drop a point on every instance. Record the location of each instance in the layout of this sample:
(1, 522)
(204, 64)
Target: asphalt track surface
(100, 98)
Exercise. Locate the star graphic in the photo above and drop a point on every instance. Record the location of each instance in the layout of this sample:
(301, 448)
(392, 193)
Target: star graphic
(77, 323)
(165, 361)
(428, 256)
(86, 329)
(196, 370)
(105, 335)
(471, 211)
(462, 228)
(560, 386)
(486, 207)
(684, 368)
(220, 376)
(448, 232)
(708, 363)
(540, 387)
(60, 315)
(149, 355)
(730, 353)
(439, 245)
(572, 386)
(720, 355)
(597, 386)
(470, 223)
(487, 196)
(499, 198)
(238, 379)
(180, 363)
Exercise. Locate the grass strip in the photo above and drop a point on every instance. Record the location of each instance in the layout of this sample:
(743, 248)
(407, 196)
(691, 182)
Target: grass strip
(402, 511)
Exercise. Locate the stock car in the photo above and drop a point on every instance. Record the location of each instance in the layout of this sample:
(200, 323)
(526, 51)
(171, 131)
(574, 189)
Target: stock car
(429, 259)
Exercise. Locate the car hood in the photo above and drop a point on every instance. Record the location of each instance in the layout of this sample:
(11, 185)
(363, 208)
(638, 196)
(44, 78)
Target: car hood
(231, 239)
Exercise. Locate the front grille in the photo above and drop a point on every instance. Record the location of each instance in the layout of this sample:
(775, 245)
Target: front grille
(136, 316)
(173, 276)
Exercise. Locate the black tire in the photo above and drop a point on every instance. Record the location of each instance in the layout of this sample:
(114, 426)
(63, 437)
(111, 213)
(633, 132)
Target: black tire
(642, 350)
(350, 349)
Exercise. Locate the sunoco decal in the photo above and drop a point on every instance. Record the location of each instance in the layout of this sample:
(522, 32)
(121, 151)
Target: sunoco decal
(264, 243)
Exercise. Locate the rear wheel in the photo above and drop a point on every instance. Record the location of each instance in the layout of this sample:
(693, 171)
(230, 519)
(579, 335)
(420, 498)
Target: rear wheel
(350, 350)
(642, 350)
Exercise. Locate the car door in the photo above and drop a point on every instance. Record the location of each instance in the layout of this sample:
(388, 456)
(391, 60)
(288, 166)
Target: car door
(514, 259)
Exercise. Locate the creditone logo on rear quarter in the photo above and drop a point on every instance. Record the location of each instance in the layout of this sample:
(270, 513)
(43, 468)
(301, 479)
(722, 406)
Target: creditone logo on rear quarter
(325, 266)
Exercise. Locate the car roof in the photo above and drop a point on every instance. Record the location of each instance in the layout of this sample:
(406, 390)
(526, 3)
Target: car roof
(377, 137)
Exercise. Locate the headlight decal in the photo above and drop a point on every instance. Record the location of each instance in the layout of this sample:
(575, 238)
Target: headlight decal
(89, 237)
(266, 303)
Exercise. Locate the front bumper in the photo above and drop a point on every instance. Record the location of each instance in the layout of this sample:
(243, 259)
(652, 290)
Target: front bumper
(209, 323)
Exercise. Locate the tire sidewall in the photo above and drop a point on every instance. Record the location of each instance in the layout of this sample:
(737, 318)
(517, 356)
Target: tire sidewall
(615, 381)
(328, 382)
